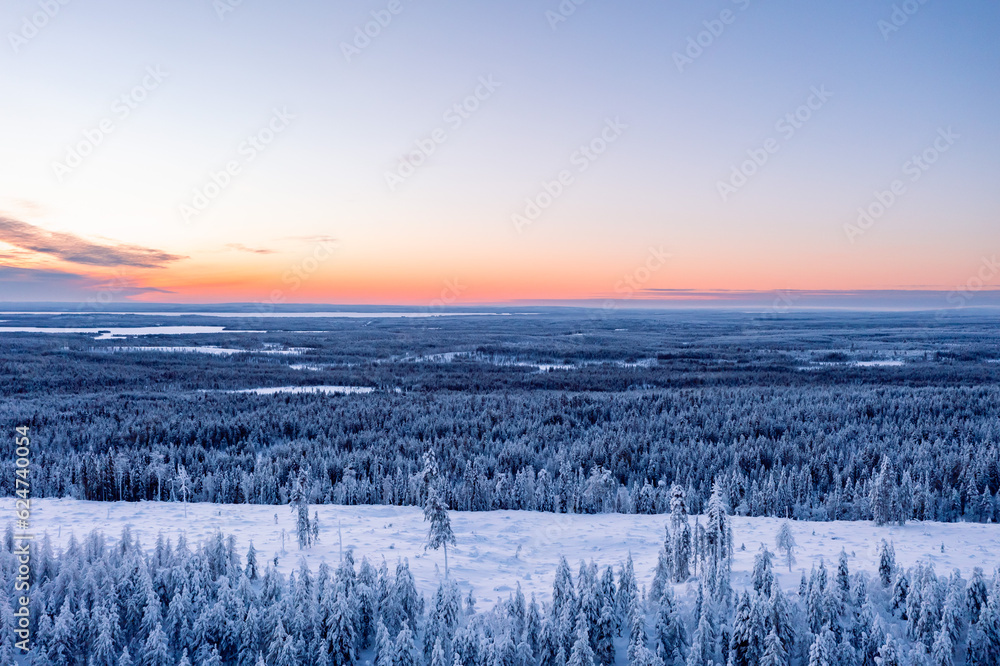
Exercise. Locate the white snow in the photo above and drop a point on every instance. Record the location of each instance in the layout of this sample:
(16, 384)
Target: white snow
(118, 332)
(207, 349)
(874, 364)
(498, 549)
(305, 389)
(278, 315)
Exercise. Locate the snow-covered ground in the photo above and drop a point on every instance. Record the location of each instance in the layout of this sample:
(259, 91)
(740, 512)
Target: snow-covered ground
(205, 349)
(498, 549)
(305, 389)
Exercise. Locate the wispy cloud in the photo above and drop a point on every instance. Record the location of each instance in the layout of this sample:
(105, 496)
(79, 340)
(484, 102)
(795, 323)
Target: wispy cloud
(78, 250)
(243, 248)
(320, 238)
(37, 284)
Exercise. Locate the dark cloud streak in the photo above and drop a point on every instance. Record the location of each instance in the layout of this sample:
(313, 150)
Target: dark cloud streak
(77, 250)
(243, 248)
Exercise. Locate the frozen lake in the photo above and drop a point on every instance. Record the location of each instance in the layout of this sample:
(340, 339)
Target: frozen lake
(278, 315)
(208, 349)
(113, 332)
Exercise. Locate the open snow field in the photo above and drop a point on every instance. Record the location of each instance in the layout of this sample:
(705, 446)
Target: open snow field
(498, 549)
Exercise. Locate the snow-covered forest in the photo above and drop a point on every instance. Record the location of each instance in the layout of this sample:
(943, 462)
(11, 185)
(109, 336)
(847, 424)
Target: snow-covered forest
(691, 425)
(165, 602)
(798, 416)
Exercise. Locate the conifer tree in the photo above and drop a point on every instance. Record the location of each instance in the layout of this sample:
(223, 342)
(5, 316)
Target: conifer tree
(941, 653)
(785, 543)
(385, 648)
(405, 649)
(252, 571)
(440, 533)
(582, 654)
(774, 651)
(887, 563)
(762, 577)
(680, 546)
(604, 650)
(670, 634)
(888, 654)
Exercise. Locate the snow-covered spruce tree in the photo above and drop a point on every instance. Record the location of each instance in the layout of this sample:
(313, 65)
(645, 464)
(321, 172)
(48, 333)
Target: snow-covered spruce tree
(669, 634)
(252, 572)
(975, 595)
(900, 590)
(746, 643)
(340, 628)
(719, 547)
(604, 651)
(437, 654)
(842, 583)
(774, 651)
(823, 651)
(627, 595)
(780, 618)
(762, 577)
(385, 648)
(883, 493)
(785, 543)
(440, 533)
(942, 650)
(888, 654)
(680, 529)
(298, 501)
(886, 563)
(637, 632)
(953, 614)
(444, 614)
(645, 657)
(663, 574)
(702, 649)
(609, 595)
(182, 482)
(405, 603)
(406, 653)
(581, 654)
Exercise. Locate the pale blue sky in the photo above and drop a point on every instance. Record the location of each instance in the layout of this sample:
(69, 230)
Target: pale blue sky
(657, 185)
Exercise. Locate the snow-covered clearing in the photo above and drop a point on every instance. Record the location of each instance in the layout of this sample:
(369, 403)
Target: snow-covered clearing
(206, 349)
(306, 389)
(498, 549)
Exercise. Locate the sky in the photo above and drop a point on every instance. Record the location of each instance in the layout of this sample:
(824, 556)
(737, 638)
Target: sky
(463, 152)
